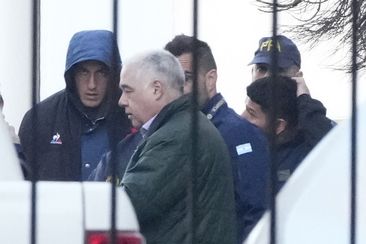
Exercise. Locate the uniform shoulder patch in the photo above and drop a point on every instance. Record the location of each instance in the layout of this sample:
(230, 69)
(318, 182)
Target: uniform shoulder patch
(244, 148)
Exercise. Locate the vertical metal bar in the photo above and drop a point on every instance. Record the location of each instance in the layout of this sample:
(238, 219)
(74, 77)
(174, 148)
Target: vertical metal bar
(273, 137)
(355, 12)
(36, 20)
(194, 124)
(113, 157)
(35, 100)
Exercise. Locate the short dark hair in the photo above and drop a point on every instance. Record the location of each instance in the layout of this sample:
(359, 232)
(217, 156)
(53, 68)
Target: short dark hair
(182, 44)
(285, 99)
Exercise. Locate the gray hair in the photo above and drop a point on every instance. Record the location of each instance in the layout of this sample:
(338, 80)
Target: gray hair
(159, 65)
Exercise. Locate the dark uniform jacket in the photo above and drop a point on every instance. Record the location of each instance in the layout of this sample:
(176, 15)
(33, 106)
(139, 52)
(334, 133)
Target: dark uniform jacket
(174, 195)
(59, 135)
(312, 127)
(249, 153)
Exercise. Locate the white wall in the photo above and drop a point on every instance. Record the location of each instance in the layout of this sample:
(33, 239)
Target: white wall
(231, 27)
(15, 56)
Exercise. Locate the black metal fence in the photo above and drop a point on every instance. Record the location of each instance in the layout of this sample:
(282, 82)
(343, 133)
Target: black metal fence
(274, 67)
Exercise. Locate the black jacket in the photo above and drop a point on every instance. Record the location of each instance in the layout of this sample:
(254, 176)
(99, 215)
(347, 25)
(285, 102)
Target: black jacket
(51, 132)
(312, 127)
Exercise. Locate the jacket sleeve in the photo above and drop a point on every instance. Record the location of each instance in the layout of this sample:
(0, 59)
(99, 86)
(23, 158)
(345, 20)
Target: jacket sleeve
(155, 178)
(251, 173)
(312, 119)
(25, 134)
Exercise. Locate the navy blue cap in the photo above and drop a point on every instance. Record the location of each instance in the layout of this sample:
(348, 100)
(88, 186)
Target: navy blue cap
(288, 54)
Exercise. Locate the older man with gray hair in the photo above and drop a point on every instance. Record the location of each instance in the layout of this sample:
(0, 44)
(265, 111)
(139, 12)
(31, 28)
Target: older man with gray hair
(175, 202)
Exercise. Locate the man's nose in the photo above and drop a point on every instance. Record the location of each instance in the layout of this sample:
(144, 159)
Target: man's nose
(245, 115)
(257, 75)
(92, 82)
(267, 73)
(264, 73)
(122, 102)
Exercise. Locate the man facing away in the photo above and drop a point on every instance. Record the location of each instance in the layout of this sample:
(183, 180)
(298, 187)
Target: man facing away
(65, 135)
(247, 145)
(178, 198)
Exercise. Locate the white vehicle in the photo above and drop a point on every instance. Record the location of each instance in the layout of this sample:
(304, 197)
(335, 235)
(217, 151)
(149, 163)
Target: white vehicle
(67, 212)
(315, 204)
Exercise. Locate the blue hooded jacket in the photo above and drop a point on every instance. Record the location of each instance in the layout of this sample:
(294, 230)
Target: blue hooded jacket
(61, 138)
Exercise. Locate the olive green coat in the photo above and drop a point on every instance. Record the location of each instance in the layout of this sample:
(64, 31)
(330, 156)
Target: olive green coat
(176, 200)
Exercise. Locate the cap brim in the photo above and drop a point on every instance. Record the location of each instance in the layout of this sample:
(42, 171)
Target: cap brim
(284, 64)
(260, 60)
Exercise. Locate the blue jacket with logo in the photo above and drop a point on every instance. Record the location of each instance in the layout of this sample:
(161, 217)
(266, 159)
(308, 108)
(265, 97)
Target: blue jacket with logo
(62, 139)
(249, 159)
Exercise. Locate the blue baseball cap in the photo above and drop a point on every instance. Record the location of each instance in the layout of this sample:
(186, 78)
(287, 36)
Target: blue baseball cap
(288, 54)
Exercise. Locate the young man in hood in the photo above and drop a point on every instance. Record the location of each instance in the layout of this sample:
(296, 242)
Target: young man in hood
(65, 135)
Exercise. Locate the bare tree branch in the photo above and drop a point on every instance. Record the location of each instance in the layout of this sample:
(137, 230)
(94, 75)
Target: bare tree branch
(321, 20)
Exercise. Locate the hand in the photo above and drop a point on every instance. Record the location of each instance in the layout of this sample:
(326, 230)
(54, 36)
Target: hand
(302, 88)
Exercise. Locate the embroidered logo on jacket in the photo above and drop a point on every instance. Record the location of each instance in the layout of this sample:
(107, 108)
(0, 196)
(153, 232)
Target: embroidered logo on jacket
(56, 139)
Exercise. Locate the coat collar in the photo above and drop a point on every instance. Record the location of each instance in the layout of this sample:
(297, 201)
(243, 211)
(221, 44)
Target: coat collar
(182, 103)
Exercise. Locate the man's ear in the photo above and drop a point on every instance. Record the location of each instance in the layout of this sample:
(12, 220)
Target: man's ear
(158, 90)
(211, 78)
(280, 126)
